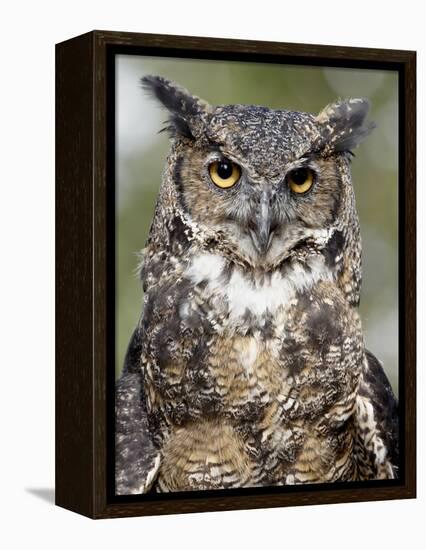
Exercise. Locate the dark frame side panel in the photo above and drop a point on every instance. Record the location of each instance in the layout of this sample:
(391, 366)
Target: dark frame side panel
(85, 263)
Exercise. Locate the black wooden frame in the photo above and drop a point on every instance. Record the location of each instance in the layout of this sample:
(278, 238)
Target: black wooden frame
(85, 272)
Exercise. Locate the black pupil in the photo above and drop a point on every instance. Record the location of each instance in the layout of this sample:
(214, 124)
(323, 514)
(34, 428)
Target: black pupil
(299, 176)
(224, 169)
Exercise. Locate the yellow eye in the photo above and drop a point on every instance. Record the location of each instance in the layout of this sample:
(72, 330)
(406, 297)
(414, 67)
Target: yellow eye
(300, 180)
(224, 173)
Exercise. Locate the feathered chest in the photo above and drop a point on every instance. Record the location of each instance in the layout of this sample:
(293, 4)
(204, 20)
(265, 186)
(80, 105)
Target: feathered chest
(221, 341)
(268, 359)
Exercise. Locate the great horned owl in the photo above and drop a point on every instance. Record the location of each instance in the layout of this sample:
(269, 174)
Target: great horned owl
(248, 366)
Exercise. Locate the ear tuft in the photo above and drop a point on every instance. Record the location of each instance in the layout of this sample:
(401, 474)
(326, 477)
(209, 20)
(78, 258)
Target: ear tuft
(343, 125)
(185, 110)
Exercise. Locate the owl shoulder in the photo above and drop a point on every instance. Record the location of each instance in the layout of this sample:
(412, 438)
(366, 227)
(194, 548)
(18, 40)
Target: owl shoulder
(325, 314)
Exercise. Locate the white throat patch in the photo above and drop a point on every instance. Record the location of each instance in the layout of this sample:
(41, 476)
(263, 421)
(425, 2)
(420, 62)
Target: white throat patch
(258, 296)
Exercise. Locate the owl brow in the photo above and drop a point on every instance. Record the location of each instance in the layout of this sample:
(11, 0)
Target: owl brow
(216, 147)
(324, 152)
(303, 161)
(213, 146)
(311, 156)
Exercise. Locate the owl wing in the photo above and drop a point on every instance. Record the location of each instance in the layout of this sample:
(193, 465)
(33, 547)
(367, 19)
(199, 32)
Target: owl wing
(376, 423)
(137, 458)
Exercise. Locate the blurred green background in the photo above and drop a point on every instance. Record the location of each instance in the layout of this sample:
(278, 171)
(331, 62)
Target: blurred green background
(141, 154)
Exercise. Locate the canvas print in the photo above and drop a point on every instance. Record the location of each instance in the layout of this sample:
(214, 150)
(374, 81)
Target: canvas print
(256, 275)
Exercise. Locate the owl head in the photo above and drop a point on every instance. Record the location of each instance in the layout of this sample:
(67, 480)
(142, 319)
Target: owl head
(264, 184)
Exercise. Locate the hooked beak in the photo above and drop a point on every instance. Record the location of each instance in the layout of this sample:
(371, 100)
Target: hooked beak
(261, 231)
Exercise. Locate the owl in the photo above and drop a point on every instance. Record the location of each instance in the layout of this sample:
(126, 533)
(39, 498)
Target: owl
(248, 366)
